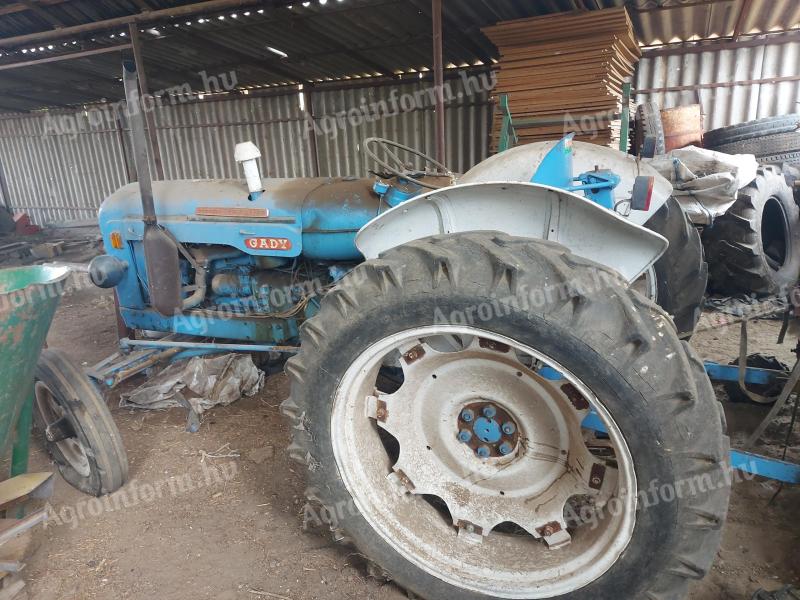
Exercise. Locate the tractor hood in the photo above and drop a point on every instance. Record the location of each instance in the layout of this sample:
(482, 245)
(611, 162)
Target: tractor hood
(292, 216)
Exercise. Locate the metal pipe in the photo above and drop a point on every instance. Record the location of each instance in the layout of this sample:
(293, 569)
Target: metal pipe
(210, 346)
(136, 123)
(438, 78)
(60, 57)
(136, 44)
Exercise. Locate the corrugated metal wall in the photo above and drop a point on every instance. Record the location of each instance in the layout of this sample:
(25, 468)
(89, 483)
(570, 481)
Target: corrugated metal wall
(60, 166)
(403, 113)
(702, 72)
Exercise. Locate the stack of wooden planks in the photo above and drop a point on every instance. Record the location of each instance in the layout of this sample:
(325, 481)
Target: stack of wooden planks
(564, 72)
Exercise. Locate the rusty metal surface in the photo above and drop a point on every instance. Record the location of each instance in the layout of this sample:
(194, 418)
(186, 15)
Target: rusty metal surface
(683, 126)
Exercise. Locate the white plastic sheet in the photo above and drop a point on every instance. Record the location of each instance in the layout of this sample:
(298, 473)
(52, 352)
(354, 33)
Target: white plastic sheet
(201, 381)
(705, 182)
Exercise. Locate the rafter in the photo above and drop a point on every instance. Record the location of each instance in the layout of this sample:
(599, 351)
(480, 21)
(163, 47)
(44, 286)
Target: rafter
(43, 14)
(452, 32)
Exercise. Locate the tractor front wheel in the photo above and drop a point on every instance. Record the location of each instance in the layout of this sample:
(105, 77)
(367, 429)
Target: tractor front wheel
(485, 416)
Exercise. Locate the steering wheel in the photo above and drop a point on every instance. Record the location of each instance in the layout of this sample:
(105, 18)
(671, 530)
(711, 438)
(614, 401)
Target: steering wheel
(375, 145)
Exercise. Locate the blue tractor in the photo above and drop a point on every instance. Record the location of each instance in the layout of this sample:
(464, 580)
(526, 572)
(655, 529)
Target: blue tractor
(485, 404)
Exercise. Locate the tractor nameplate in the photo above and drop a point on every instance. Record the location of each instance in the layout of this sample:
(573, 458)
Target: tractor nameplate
(268, 243)
(234, 212)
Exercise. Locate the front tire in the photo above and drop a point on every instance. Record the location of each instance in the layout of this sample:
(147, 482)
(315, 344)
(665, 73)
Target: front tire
(89, 450)
(496, 310)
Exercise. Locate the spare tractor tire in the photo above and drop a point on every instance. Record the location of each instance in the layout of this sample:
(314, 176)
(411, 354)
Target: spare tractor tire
(755, 246)
(774, 140)
(458, 483)
(681, 273)
(648, 125)
(751, 130)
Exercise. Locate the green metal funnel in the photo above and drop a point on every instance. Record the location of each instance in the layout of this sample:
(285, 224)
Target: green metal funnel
(29, 297)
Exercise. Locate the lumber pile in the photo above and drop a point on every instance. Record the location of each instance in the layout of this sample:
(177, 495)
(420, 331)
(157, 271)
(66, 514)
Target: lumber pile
(564, 72)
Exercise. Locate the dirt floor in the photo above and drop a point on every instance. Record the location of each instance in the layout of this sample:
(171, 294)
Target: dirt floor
(233, 530)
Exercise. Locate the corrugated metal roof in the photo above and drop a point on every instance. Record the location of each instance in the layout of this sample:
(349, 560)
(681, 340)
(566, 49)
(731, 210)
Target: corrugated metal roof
(323, 39)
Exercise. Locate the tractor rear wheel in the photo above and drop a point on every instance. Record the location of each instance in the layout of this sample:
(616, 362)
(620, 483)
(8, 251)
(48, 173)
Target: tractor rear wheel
(449, 403)
(677, 281)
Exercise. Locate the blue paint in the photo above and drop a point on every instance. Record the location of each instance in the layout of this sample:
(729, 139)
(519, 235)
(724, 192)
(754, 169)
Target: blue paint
(763, 466)
(718, 372)
(550, 373)
(555, 170)
(771, 468)
(488, 430)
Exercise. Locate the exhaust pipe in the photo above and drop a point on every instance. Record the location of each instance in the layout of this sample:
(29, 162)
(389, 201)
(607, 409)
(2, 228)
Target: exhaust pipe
(160, 249)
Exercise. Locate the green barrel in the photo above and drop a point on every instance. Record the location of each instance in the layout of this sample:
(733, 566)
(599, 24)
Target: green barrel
(29, 297)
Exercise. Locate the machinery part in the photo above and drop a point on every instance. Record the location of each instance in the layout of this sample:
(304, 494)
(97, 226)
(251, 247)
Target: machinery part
(80, 433)
(368, 459)
(107, 271)
(649, 126)
(160, 249)
(247, 154)
(770, 390)
(401, 169)
(523, 162)
(751, 130)
(755, 246)
(523, 209)
(681, 272)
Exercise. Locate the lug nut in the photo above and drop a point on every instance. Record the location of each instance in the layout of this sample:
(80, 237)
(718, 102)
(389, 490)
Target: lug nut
(505, 448)
(508, 428)
(484, 452)
(467, 415)
(465, 435)
(489, 411)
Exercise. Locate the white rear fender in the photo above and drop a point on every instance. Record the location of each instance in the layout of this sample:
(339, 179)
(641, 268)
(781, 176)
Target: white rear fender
(519, 209)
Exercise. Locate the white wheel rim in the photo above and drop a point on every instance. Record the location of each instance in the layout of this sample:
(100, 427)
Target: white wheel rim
(71, 448)
(647, 284)
(484, 492)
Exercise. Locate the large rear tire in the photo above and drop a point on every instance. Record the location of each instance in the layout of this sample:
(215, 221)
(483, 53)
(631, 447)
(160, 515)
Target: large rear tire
(755, 246)
(481, 316)
(681, 273)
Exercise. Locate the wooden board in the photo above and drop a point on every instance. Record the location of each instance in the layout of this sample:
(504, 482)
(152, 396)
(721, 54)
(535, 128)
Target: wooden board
(566, 72)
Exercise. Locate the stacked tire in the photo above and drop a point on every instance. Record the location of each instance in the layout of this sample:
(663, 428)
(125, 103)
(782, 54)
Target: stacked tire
(773, 140)
(755, 246)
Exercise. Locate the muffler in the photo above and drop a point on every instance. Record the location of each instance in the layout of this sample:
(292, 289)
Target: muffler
(160, 248)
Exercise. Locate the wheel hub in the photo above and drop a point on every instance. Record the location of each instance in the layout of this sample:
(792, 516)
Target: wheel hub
(488, 429)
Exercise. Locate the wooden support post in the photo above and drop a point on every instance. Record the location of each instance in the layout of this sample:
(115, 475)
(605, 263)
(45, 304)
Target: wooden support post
(438, 79)
(147, 99)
